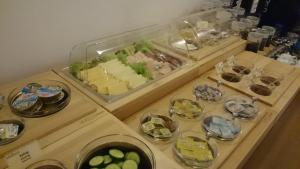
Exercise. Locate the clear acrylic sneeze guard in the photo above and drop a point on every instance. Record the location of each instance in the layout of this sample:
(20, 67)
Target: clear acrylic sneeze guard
(115, 66)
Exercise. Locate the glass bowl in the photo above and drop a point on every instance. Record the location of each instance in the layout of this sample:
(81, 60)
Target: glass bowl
(10, 131)
(125, 143)
(221, 128)
(186, 109)
(47, 164)
(208, 93)
(158, 127)
(241, 107)
(194, 150)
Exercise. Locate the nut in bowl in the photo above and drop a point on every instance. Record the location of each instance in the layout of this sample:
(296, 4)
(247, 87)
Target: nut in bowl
(194, 150)
(116, 152)
(158, 127)
(186, 109)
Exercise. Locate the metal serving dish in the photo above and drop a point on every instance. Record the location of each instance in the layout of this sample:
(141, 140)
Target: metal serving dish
(20, 131)
(42, 105)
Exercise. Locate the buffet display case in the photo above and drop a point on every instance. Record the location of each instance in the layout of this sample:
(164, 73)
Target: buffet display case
(37, 106)
(199, 35)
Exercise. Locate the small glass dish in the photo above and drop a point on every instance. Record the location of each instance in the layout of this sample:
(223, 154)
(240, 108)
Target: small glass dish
(158, 127)
(10, 131)
(242, 66)
(186, 109)
(221, 128)
(271, 77)
(241, 107)
(47, 164)
(208, 93)
(124, 143)
(194, 150)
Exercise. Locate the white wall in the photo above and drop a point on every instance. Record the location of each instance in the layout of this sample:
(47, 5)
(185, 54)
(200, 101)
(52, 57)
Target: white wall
(36, 35)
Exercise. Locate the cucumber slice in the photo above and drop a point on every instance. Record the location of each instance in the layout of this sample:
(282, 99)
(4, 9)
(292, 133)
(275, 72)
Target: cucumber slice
(120, 163)
(115, 153)
(133, 156)
(107, 159)
(112, 166)
(96, 161)
(130, 164)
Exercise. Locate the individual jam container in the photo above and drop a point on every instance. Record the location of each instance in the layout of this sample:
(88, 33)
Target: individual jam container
(208, 93)
(116, 151)
(10, 131)
(253, 42)
(272, 32)
(186, 109)
(241, 107)
(47, 164)
(221, 128)
(194, 150)
(158, 127)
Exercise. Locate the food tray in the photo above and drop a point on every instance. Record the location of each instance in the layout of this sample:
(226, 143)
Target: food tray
(289, 73)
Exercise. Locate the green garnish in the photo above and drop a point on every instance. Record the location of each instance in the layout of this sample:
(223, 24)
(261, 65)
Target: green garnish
(76, 68)
(144, 47)
(141, 68)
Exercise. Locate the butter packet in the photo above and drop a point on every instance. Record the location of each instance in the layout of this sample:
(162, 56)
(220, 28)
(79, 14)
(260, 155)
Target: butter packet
(9, 131)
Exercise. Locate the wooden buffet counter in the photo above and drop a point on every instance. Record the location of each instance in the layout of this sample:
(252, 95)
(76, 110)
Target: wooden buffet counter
(35, 128)
(84, 119)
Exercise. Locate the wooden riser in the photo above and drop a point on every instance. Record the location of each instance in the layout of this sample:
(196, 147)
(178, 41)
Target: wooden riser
(289, 73)
(36, 128)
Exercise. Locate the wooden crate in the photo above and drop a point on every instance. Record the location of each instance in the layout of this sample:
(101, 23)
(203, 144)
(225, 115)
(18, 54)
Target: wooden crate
(79, 106)
(66, 149)
(132, 103)
(225, 148)
(290, 74)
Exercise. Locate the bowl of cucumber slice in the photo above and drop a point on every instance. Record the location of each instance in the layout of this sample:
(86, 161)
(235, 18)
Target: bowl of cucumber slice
(115, 152)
